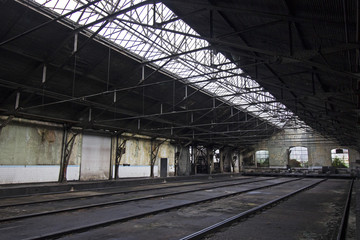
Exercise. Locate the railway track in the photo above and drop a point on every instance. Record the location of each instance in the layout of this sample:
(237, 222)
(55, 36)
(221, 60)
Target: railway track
(228, 228)
(56, 225)
(13, 210)
(98, 192)
(196, 212)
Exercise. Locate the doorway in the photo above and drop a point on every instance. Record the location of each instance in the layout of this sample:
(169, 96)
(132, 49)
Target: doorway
(163, 167)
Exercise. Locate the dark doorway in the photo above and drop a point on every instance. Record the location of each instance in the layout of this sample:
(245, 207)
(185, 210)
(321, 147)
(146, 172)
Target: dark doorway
(163, 167)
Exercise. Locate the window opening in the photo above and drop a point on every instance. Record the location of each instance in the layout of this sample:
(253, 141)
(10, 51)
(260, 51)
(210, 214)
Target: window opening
(298, 157)
(177, 48)
(262, 158)
(340, 158)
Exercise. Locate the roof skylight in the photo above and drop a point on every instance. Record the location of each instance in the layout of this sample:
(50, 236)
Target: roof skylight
(154, 33)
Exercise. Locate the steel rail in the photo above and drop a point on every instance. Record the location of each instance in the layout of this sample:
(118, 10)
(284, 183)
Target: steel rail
(57, 234)
(149, 183)
(228, 221)
(107, 193)
(342, 228)
(121, 201)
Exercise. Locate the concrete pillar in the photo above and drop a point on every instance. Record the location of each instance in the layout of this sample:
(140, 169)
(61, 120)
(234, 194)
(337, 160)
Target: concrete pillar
(227, 160)
(184, 166)
(237, 163)
(222, 157)
(210, 161)
(241, 162)
(194, 153)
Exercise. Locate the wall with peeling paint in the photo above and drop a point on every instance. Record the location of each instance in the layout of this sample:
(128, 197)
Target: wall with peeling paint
(167, 151)
(30, 151)
(136, 160)
(26, 145)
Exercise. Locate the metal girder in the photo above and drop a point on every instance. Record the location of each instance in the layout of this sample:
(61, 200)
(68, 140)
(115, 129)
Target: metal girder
(224, 103)
(79, 101)
(199, 125)
(249, 29)
(115, 14)
(283, 17)
(107, 19)
(301, 58)
(198, 151)
(175, 55)
(209, 110)
(46, 23)
(6, 122)
(230, 132)
(76, 51)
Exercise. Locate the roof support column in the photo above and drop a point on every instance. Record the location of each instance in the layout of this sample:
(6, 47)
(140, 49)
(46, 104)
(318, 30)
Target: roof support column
(183, 163)
(210, 159)
(120, 151)
(222, 158)
(16, 109)
(67, 146)
(155, 146)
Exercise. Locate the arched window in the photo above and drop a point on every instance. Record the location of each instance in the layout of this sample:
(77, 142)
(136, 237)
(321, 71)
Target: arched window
(262, 158)
(298, 157)
(340, 157)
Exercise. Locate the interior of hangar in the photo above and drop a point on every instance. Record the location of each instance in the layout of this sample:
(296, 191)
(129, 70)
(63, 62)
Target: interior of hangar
(202, 119)
(99, 90)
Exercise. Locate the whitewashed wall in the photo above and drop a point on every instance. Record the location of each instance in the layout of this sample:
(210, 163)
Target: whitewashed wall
(135, 171)
(35, 173)
(30, 151)
(95, 159)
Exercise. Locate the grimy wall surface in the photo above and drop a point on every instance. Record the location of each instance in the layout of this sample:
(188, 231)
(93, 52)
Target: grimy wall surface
(319, 148)
(136, 160)
(30, 151)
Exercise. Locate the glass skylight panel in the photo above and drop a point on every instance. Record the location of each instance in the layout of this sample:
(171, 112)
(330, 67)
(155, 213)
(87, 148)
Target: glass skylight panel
(135, 31)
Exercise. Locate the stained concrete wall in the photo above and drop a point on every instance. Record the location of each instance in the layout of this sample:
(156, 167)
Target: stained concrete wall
(24, 145)
(137, 157)
(167, 151)
(319, 148)
(95, 159)
(30, 151)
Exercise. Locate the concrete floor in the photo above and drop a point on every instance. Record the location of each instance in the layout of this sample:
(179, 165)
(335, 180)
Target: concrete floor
(312, 214)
